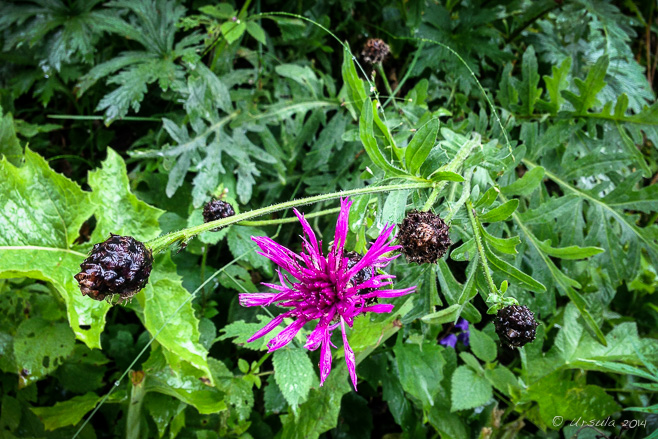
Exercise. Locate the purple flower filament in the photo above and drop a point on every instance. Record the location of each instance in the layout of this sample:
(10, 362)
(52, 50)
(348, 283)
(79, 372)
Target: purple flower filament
(324, 288)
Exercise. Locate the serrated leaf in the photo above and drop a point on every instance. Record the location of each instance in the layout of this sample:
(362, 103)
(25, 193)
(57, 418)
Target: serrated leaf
(68, 412)
(469, 390)
(241, 245)
(294, 374)
(589, 88)
(421, 370)
(120, 212)
(482, 345)
(242, 331)
(554, 86)
(168, 313)
(528, 90)
(42, 213)
(420, 146)
(40, 347)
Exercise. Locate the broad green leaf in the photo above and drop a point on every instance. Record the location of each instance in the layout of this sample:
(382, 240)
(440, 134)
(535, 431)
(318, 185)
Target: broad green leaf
(220, 10)
(525, 185)
(294, 374)
(162, 409)
(41, 215)
(370, 142)
(233, 30)
(421, 370)
(420, 146)
(256, 31)
(500, 213)
(469, 390)
(446, 176)
(320, 411)
(169, 316)
(40, 347)
(482, 345)
(241, 245)
(502, 379)
(394, 207)
(239, 395)
(68, 412)
(9, 144)
(118, 210)
(182, 383)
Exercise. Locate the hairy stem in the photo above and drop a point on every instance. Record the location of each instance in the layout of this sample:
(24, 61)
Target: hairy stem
(163, 242)
(494, 295)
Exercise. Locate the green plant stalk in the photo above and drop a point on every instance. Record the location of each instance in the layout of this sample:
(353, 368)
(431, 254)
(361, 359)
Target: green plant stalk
(494, 294)
(294, 219)
(453, 166)
(137, 394)
(387, 86)
(159, 244)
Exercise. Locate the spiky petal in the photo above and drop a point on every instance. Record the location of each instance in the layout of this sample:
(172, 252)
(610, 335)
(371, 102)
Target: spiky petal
(330, 289)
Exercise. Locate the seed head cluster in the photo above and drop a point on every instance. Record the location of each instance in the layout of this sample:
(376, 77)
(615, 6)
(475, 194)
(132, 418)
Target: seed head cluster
(516, 325)
(120, 265)
(375, 51)
(424, 237)
(215, 210)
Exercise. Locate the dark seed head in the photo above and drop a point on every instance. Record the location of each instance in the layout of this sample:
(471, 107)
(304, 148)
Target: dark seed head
(424, 237)
(120, 265)
(375, 51)
(516, 325)
(363, 275)
(215, 210)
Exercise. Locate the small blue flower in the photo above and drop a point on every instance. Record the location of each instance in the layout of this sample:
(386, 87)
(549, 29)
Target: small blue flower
(449, 340)
(463, 335)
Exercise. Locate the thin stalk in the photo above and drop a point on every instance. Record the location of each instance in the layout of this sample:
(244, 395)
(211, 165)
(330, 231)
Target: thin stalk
(406, 75)
(137, 394)
(387, 86)
(163, 242)
(466, 192)
(453, 166)
(493, 291)
(125, 118)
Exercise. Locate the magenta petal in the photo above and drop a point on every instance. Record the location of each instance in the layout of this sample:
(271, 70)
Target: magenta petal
(257, 299)
(286, 335)
(391, 293)
(349, 355)
(276, 321)
(325, 357)
(380, 308)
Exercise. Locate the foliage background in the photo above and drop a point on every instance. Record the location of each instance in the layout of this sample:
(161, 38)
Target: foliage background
(127, 116)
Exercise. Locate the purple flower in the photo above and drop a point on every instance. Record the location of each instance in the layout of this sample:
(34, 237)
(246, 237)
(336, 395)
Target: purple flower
(463, 335)
(325, 288)
(449, 340)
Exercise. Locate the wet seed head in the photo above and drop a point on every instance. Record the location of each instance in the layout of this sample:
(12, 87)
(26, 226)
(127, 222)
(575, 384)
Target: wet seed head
(375, 51)
(120, 265)
(215, 210)
(516, 325)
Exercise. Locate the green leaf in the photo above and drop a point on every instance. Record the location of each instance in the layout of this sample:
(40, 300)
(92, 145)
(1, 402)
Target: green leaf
(233, 30)
(446, 315)
(482, 345)
(524, 279)
(168, 313)
(370, 142)
(68, 412)
(500, 213)
(589, 88)
(40, 347)
(162, 409)
(571, 252)
(554, 86)
(421, 370)
(9, 144)
(469, 390)
(241, 245)
(394, 207)
(238, 391)
(525, 185)
(183, 383)
(528, 90)
(119, 211)
(256, 31)
(420, 146)
(294, 374)
(243, 331)
(354, 85)
(41, 215)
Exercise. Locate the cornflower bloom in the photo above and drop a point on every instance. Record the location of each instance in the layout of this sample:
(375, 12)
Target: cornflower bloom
(331, 289)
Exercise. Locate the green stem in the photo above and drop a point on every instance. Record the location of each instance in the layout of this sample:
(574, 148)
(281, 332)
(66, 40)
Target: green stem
(294, 218)
(387, 86)
(163, 242)
(494, 295)
(137, 394)
(453, 166)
